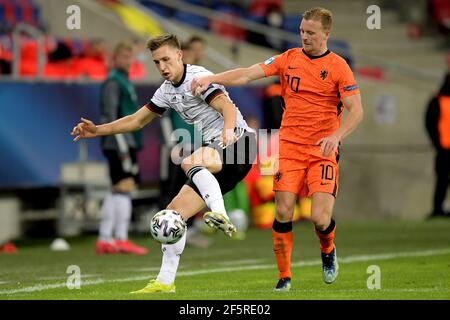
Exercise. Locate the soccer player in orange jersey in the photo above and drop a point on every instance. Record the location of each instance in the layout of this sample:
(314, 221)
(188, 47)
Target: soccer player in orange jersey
(316, 85)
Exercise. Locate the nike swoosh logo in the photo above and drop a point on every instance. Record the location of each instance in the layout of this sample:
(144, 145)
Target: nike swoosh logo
(290, 68)
(322, 184)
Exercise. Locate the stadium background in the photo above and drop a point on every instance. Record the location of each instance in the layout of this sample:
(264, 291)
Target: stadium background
(386, 164)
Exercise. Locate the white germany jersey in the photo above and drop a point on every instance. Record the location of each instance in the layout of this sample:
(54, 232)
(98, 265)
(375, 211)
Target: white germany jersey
(194, 109)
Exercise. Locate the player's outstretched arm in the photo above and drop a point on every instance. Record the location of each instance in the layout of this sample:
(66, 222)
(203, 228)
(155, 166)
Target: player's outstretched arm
(87, 129)
(235, 77)
(328, 145)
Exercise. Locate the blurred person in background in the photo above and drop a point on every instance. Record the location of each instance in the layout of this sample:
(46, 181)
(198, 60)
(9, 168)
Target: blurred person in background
(138, 70)
(194, 50)
(118, 99)
(438, 127)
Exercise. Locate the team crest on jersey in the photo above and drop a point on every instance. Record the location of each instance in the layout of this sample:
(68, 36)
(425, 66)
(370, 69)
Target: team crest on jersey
(278, 176)
(323, 74)
(269, 61)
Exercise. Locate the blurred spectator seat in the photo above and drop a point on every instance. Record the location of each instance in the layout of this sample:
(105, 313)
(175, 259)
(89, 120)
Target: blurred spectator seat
(191, 19)
(9, 13)
(263, 7)
(196, 2)
(292, 22)
(374, 73)
(441, 14)
(2, 15)
(60, 64)
(15, 11)
(157, 8)
(27, 12)
(138, 71)
(92, 67)
(342, 48)
(228, 29)
(28, 57)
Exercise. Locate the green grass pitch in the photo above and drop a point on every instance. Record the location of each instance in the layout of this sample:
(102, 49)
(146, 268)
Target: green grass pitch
(413, 258)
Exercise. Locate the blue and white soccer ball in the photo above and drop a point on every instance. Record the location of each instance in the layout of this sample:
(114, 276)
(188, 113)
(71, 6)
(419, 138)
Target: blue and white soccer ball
(167, 226)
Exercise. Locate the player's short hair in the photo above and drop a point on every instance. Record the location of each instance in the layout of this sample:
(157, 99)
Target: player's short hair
(196, 38)
(167, 39)
(320, 14)
(122, 46)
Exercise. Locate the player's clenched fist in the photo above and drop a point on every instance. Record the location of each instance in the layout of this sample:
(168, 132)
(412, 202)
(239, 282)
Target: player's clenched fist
(85, 129)
(199, 85)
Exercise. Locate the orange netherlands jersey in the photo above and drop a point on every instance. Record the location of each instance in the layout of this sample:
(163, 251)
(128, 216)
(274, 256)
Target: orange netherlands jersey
(312, 89)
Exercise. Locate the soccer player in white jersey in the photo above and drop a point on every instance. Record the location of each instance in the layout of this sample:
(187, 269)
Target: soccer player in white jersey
(225, 158)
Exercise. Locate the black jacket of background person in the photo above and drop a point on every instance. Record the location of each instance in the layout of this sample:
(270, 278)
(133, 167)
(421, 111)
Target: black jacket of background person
(433, 114)
(119, 99)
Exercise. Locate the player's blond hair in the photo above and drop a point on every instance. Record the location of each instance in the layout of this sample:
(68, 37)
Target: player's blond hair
(166, 39)
(122, 46)
(320, 14)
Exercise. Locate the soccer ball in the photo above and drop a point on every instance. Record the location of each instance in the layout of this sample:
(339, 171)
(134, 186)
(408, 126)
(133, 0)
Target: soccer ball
(167, 226)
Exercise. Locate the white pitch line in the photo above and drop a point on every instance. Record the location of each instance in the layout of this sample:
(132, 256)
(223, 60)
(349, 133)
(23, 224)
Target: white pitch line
(145, 269)
(245, 261)
(65, 277)
(350, 259)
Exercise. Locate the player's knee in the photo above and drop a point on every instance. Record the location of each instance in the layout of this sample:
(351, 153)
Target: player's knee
(322, 225)
(321, 219)
(285, 212)
(126, 185)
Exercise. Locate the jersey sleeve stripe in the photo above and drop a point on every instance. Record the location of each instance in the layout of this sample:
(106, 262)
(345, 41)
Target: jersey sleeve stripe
(154, 108)
(210, 97)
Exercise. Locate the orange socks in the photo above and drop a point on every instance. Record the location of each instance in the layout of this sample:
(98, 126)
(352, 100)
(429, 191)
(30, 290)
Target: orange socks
(326, 237)
(282, 246)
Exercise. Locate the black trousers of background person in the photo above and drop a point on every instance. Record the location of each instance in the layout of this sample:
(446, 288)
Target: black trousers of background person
(442, 169)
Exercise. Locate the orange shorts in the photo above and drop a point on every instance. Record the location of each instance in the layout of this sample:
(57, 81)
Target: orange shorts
(303, 170)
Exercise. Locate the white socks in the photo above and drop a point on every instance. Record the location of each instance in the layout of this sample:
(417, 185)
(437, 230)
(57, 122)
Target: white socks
(123, 214)
(116, 214)
(209, 188)
(212, 195)
(108, 218)
(170, 261)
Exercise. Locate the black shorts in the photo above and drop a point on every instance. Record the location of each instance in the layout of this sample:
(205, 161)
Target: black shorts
(237, 160)
(119, 169)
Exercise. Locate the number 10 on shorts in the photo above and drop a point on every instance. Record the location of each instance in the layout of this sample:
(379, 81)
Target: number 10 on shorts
(327, 172)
